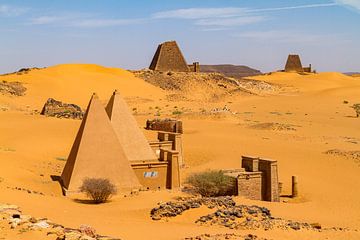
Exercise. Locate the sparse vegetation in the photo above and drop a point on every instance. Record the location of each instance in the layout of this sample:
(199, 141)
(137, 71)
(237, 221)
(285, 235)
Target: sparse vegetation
(356, 107)
(98, 189)
(61, 158)
(212, 183)
(177, 112)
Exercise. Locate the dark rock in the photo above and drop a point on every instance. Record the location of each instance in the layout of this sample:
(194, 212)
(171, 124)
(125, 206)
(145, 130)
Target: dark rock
(54, 108)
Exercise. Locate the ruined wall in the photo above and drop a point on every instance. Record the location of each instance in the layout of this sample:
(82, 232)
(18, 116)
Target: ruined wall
(157, 145)
(270, 182)
(260, 179)
(249, 185)
(195, 67)
(293, 64)
(165, 125)
(250, 164)
(151, 176)
(307, 69)
(162, 174)
(168, 57)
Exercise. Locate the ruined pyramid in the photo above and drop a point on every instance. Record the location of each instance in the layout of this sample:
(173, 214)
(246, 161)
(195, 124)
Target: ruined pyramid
(97, 153)
(133, 141)
(293, 64)
(168, 57)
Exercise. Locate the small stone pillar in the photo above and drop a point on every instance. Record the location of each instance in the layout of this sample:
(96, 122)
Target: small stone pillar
(196, 66)
(294, 187)
(173, 170)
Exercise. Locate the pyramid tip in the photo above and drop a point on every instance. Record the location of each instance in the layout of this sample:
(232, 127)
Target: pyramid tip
(94, 95)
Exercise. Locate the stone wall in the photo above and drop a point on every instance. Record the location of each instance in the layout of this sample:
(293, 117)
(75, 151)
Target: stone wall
(259, 180)
(270, 182)
(307, 69)
(165, 125)
(249, 185)
(195, 67)
(162, 174)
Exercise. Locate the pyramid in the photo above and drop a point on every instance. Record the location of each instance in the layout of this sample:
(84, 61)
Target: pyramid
(131, 138)
(97, 153)
(293, 63)
(168, 57)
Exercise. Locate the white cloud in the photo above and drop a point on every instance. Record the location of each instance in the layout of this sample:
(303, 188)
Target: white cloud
(10, 11)
(289, 36)
(227, 22)
(82, 20)
(293, 7)
(355, 4)
(106, 22)
(43, 20)
(230, 16)
(200, 13)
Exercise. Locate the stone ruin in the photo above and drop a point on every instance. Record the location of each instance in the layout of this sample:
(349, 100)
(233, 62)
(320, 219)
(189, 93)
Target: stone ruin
(54, 108)
(168, 57)
(257, 179)
(165, 125)
(128, 160)
(293, 64)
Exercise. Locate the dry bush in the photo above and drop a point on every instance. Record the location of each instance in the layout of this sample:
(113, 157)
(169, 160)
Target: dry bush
(98, 189)
(212, 183)
(356, 107)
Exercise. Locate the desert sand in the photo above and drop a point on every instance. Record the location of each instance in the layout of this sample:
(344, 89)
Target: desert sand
(295, 127)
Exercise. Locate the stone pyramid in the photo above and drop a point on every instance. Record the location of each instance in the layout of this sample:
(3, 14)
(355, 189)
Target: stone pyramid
(293, 63)
(97, 153)
(131, 138)
(168, 57)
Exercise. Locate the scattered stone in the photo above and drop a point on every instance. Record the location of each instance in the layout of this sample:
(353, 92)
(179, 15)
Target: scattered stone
(88, 230)
(24, 223)
(274, 126)
(229, 215)
(54, 108)
(225, 236)
(173, 209)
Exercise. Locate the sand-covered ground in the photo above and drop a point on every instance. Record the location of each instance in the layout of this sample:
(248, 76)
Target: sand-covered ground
(297, 123)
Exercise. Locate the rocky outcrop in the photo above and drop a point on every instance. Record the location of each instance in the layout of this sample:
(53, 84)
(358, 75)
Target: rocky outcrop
(54, 108)
(230, 70)
(12, 88)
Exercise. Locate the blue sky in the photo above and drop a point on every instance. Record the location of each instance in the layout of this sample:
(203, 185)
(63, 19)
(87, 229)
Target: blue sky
(122, 33)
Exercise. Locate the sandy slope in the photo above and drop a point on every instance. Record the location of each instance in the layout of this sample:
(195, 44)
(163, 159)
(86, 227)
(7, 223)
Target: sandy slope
(32, 148)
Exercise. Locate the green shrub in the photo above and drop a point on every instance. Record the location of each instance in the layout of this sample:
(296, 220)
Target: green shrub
(212, 183)
(98, 189)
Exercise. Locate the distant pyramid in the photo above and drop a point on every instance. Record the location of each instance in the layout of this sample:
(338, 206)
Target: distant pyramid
(133, 141)
(97, 153)
(168, 57)
(293, 64)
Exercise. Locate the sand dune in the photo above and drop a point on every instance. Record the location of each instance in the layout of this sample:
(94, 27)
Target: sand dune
(33, 147)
